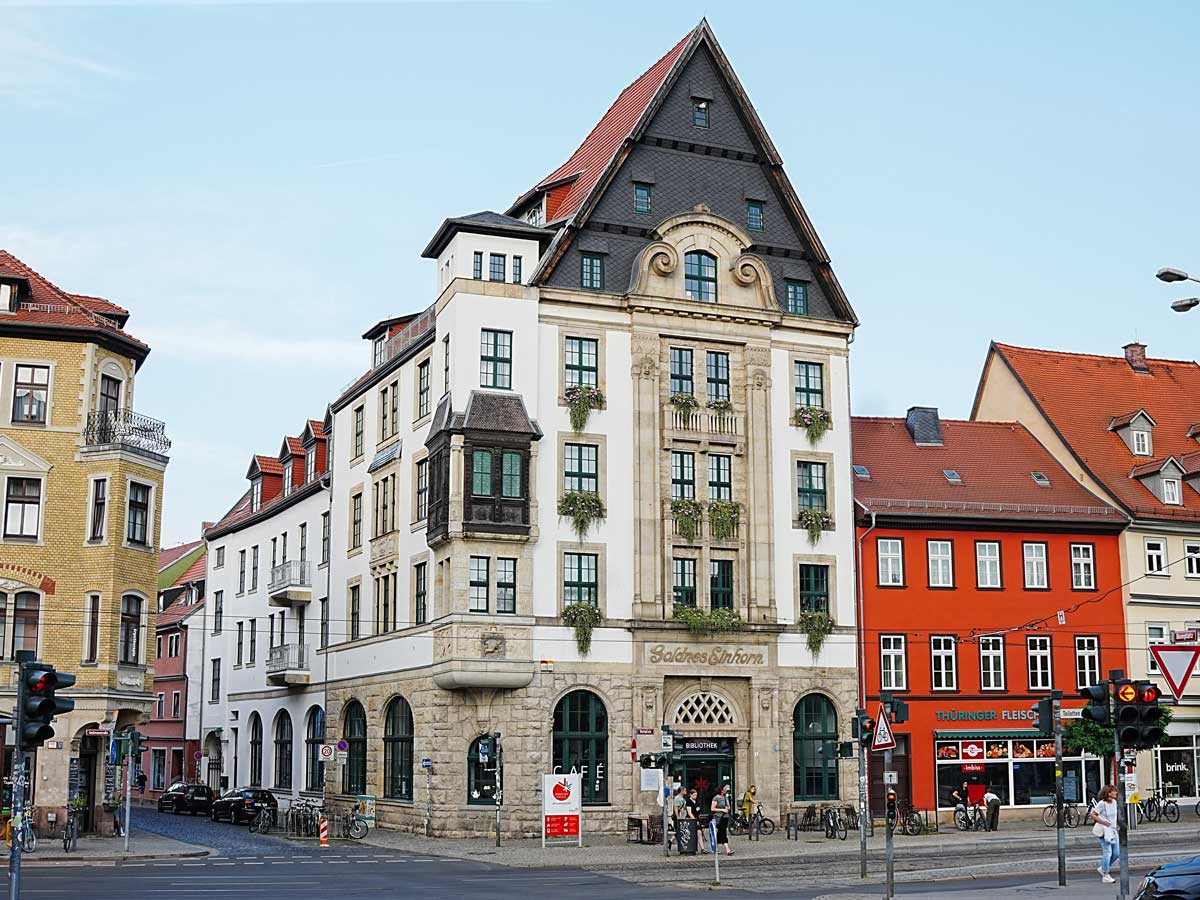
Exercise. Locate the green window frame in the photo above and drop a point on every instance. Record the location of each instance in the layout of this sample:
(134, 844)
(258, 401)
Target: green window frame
(814, 588)
(720, 583)
(580, 743)
(581, 467)
(480, 583)
(754, 215)
(506, 585)
(641, 198)
(810, 485)
(683, 475)
(477, 266)
(814, 749)
(481, 776)
(809, 384)
(497, 265)
(795, 295)
(580, 578)
(591, 271)
(481, 473)
(683, 582)
(420, 593)
(581, 361)
(716, 370)
(511, 465)
(398, 750)
(720, 476)
(516, 270)
(495, 359)
(354, 771)
(681, 370)
(700, 276)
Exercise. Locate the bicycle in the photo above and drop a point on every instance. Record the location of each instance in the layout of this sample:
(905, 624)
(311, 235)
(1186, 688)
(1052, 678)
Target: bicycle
(973, 819)
(23, 831)
(910, 821)
(1071, 815)
(835, 824)
(70, 831)
(739, 824)
(263, 821)
(350, 825)
(1156, 807)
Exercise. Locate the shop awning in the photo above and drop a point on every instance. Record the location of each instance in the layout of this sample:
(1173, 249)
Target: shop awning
(993, 734)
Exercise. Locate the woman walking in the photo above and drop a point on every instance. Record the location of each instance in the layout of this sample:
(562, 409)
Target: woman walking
(1104, 814)
(720, 811)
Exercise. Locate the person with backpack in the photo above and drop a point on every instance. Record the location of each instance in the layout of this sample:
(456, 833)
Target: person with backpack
(1104, 815)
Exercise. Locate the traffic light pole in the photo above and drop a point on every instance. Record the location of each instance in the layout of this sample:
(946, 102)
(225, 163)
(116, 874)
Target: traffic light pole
(1058, 788)
(128, 791)
(1118, 675)
(666, 793)
(862, 809)
(891, 828)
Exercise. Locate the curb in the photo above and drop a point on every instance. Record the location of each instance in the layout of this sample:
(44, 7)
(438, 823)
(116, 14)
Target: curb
(44, 859)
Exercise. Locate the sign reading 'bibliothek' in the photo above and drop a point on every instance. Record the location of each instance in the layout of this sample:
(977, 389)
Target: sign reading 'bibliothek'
(561, 808)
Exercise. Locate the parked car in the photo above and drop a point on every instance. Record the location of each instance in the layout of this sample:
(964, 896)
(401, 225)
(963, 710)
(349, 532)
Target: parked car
(1177, 881)
(242, 804)
(186, 798)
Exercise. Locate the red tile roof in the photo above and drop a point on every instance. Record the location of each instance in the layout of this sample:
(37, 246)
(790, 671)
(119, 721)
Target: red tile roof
(237, 512)
(294, 447)
(169, 555)
(317, 427)
(100, 305)
(1080, 394)
(195, 572)
(587, 164)
(994, 459)
(268, 465)
(175, 612)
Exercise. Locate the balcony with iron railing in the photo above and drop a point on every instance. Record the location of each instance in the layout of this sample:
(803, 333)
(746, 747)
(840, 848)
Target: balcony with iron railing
(288, 664)
(290, 583)
(123, 429)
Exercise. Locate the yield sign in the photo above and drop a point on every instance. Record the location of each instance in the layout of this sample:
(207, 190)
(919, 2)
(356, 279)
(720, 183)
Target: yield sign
(1176, 661)
(884, 739)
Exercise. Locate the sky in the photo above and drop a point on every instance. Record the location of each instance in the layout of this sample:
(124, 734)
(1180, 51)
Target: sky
(255, 181)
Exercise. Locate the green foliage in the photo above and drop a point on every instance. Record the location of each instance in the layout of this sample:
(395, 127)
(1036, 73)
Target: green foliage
(582, 508)
(720, 406)
(815, 521)
(583, 617)
(723, 514)
(685, 403)
(581, 400)
(1086, 735)
(814, 420)
(687, 515)
(700, 622)
(816, 627)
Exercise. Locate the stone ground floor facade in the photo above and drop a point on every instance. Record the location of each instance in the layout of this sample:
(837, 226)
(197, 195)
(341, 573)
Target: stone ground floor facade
(738, 716)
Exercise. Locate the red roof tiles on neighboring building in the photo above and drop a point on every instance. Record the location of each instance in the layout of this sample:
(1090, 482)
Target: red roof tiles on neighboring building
(169, 555)
(195, 572)
(176, 612)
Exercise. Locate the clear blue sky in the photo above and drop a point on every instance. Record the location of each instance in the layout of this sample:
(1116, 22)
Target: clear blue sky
(255, 182)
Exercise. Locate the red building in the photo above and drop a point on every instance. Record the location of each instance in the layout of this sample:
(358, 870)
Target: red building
(989, 578)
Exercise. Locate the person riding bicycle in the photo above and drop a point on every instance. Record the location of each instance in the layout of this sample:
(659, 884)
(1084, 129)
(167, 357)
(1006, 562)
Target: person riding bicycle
(961, 797)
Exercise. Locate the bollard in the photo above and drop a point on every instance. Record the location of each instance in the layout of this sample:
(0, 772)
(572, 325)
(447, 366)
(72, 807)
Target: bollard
(324, 827)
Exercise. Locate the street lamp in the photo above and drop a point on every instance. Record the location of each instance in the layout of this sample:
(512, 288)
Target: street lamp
(1170, 275)
(1185, 304)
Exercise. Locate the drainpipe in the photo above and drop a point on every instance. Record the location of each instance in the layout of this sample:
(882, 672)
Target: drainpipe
(862, 632)
(200, 686)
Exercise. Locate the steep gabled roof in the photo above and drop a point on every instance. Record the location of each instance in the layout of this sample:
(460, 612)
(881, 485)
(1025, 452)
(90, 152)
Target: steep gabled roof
(264, 465)
(168, 555)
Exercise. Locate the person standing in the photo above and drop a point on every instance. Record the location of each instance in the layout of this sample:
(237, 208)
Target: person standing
(693, 811)
(748, 800)
(991, 802)
(1104, 814)
(720, 810)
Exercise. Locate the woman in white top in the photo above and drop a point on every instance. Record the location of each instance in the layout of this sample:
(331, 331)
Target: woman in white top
(1104, 814)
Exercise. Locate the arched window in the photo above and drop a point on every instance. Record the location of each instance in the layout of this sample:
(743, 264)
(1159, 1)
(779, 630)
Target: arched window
(256, 738)
(398, 750)
(283, 751)
(814, 749)
(131, 629)
(314, 769)
(481, 772)
(580, 742)
(354, 772)
(26, 611)
(700, 276)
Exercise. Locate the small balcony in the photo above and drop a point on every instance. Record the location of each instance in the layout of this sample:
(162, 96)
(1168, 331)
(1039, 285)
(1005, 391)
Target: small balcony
(290, 584)
(123, 429)
(705, 423)
(383, 549)
(288, 664)
(703, 520)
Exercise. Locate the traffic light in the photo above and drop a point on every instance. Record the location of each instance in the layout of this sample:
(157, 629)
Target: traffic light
(646, 761)
(866, 731)
(137, 746)
(1097, 709)
(1128, 714)
(1045, 716)
(899, 711)
(1150, 730)
(38, 703)
(891, 806)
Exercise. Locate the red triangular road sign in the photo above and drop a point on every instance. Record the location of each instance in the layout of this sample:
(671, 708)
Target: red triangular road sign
(1176, 662)
(884, 739)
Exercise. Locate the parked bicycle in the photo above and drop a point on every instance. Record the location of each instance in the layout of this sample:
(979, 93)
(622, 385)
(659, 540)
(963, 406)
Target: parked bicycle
(70, 830)
(20, 829)
(970, 819)
(351, 825)
(1071, 815)
(304, 818)
(263, 821)
(834, 823)
(909, 819)
(1156, 807)
(739, 824)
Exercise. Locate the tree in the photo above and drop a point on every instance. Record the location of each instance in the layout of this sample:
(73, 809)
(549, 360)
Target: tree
(1086, 736)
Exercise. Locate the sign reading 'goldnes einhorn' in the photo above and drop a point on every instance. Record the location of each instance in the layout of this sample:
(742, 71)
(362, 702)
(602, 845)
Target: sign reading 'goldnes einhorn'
(707, 656)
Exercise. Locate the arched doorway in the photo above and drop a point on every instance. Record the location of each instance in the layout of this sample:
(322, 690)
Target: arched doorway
(212, 753)
(705, 750)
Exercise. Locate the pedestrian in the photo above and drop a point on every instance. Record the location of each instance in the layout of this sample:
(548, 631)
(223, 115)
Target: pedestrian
(962, 797)
(678, 811)
(1104, 815)
(693, 809)
(720, 810)
(991, 802)
(141, 781)
(748, 800)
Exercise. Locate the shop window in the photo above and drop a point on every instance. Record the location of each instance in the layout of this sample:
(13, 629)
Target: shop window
(580, 742)
(314, 768)
(354, 770)
(256, 750)
(283, 751)
(814, 749)
(398, 750)
(481, 772)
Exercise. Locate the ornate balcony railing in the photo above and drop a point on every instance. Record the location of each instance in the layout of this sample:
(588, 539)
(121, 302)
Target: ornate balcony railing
(125, 427)
(287, 658)
(292, 573)
(705, 421)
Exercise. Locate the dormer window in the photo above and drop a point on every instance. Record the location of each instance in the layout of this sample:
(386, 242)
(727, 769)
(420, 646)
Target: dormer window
(255, 494)
(1171, 496)
(8, 296)
(534, 215)
(310, 464)
(287, 478)
(700, 276)
(377, 350)
(1141, 443)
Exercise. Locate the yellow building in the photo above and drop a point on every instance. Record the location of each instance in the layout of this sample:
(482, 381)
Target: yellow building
(81, 485)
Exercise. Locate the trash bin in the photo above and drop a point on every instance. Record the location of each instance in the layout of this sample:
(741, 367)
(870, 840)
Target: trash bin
(685, 833)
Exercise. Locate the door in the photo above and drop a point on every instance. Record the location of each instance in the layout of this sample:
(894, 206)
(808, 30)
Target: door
(902, 765)
(87, 790)
(707, 775)
(110, 403)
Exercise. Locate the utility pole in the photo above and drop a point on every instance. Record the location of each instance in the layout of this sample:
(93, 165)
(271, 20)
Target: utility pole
(128, 789)
(18, 795)
(1058, 787)
(1117, 676)
(499, 785)
(862, 805)
(668, 745)
(891, 824)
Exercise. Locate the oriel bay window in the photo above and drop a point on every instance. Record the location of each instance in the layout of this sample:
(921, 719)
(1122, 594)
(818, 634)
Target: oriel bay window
(398, 750)
(814, 749)
(580, 742)
(481, 473)
(497, 496)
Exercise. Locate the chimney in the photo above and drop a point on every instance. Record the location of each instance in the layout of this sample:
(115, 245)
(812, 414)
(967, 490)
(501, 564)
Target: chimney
(923, 424)
(1135, 355)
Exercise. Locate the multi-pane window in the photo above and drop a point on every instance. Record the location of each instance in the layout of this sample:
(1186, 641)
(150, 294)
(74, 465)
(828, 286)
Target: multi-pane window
(446, 364)
(422, 492)
(681, 370)
(479, 583)
(310, 464)
(384, 494)
(1156, 557)
(795, 295)
(254, 568)
(26, 614)
(359, 419)
(314, 779)
(496, 266)
(891, 561)
(423, 390)
(1171, 491)
(641, 198)
(481, 473)
(420, 593)
(1156, 633)
(241, 571)
(131, 629)
(91, 634)
(754, 215)
(30, 391)
(240, 629)
(253, 649)
(22, 507)
(324, 626)
(987, 564)
(1035, 565)
(809, 386)
(1141, 443)
(580, 579)
(810, 485)
(510, 474)
(304, 530)
(255, 494)
(477, 265)
(385, 423)
(581, 470)
(892, 662)
(1038, 653)
(683, 475)
(700, 113)
(516, 270)
(175, 704)
(218, 611)
(99, 506)
(591, 272)
(700, 276)
(506, 585)
(160, 706)
(1083, 567)
(720, 477)
(287, 475)
(943, 668)
(580, 743)
(325, 535)
(356, 521)
(495, 359)
(814, 588)
(1087, 661)
(1191, 553)
(138, 515)
(716, 370)
(683, 581)
(941, 564)
(991, 663)
(720, 583)
(398, 750)
(355, 611)
(581, 357)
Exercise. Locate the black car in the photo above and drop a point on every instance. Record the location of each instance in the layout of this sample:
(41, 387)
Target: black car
(186, 798)
(242, 804)
(1177, 880)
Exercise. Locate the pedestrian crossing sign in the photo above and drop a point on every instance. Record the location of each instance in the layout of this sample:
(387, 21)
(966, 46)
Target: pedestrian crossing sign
(884, 738)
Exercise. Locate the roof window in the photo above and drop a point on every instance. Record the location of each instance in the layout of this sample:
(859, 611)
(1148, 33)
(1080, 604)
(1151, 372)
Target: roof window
(862, 472)
(1040, 479)
(952, 476)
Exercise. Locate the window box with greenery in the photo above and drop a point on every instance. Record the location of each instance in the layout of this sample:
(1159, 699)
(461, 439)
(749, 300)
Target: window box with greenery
(581, 400)
(721, 407)
(815, 421)
(814, 521)
(816, 627)
(687, 515)
(684, 404)
(583, 617)
(703, 622)
(723, 519)
(582, 508)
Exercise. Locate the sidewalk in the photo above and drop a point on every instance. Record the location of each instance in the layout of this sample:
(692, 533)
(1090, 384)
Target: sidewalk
(110, 850)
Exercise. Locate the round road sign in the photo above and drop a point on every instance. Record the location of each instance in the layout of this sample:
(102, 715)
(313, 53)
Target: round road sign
(343, 745)
(326, 752)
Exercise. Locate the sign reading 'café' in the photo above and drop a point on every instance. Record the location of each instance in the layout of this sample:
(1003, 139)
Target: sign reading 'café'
(683, 655)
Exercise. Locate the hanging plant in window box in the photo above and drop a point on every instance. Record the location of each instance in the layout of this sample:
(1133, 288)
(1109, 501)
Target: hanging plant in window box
(721, 407)
(813, 419)
(583, 617)
(700, 623)
(816, 627)
(814, 521)
(687, 515)
(723, 517)
(582, 508)
(686, 404)
(581, 400)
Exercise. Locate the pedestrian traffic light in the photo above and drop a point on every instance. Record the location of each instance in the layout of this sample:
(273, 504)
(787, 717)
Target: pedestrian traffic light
(899, 711)
(866, 731)
(38, 704)
(1097, 709)
(891, 806)
(1045, 716)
